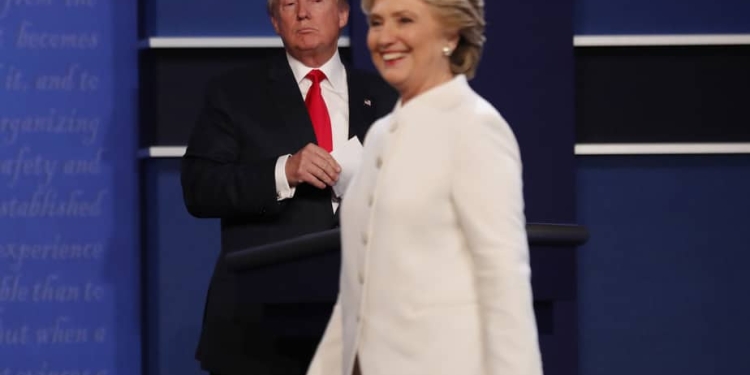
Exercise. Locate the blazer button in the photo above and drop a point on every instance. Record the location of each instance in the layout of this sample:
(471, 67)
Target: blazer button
(379, 162)
(364, 238)
(361, 278)
(370, 200)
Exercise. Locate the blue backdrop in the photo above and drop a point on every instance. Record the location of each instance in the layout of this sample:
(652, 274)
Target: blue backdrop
(69, 264)
(607, 17)
(663, 279)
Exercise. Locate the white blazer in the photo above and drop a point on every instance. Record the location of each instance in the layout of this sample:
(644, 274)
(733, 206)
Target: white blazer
(435, 276)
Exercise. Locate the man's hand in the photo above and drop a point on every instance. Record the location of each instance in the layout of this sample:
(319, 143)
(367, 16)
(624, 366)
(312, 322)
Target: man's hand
(312, 165)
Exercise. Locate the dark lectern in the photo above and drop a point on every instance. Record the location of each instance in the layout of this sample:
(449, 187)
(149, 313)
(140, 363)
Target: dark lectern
(329, 241)
(553, 264)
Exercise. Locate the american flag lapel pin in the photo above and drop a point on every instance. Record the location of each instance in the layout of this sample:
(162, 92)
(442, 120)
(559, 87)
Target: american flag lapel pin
(368, 103)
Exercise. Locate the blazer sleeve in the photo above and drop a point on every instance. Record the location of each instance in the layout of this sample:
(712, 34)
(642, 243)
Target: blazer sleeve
(215, 184)
(487, 194)
(328, 359)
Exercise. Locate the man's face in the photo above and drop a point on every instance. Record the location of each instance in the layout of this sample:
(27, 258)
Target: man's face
(309, 28)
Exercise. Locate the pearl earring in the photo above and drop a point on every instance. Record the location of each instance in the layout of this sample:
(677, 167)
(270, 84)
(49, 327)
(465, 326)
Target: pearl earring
(447, 51)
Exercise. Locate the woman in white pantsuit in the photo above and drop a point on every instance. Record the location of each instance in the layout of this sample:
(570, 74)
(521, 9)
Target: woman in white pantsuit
(435, 276)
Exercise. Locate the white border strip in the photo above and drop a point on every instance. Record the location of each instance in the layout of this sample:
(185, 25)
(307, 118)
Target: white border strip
(162, 152)
(661, 148)
(578, 41)
(660, 40)
(580, 149)
(221, 42)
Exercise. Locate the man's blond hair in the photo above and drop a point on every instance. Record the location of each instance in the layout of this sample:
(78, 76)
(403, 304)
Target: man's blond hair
(271, 5)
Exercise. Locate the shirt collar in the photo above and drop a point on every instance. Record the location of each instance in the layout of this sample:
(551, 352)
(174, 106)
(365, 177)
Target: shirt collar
(333, 69)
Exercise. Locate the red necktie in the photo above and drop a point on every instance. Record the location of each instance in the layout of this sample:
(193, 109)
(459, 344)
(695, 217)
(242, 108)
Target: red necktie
(316, 107)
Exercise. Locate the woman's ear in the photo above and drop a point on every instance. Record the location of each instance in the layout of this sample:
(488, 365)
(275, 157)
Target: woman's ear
(452, 38)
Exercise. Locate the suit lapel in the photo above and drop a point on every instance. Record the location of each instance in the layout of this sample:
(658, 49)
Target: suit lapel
(291, 108)
(361, 106)
(284, 92)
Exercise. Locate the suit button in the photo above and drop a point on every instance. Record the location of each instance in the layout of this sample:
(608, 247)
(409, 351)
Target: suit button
(361, 278)
(379, 162)
(364, 238)
(370, 200)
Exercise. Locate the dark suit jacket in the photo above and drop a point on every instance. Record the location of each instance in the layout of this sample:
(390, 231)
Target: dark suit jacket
(251, 117)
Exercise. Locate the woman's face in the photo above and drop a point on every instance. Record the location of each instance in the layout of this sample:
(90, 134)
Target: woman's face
(406, 41)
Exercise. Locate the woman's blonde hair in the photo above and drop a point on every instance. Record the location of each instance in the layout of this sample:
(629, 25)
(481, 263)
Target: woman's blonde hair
(465, 16)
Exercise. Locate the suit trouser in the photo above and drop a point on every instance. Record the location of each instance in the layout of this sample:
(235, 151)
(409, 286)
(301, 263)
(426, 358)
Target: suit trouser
(355, 371)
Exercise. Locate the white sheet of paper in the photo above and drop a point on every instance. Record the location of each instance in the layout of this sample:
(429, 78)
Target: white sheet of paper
(349, 157)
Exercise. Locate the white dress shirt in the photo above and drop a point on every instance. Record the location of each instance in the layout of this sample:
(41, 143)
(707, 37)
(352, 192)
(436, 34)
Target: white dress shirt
(336, 96)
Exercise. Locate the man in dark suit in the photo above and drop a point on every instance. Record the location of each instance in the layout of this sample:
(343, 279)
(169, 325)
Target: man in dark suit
(259, 159)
